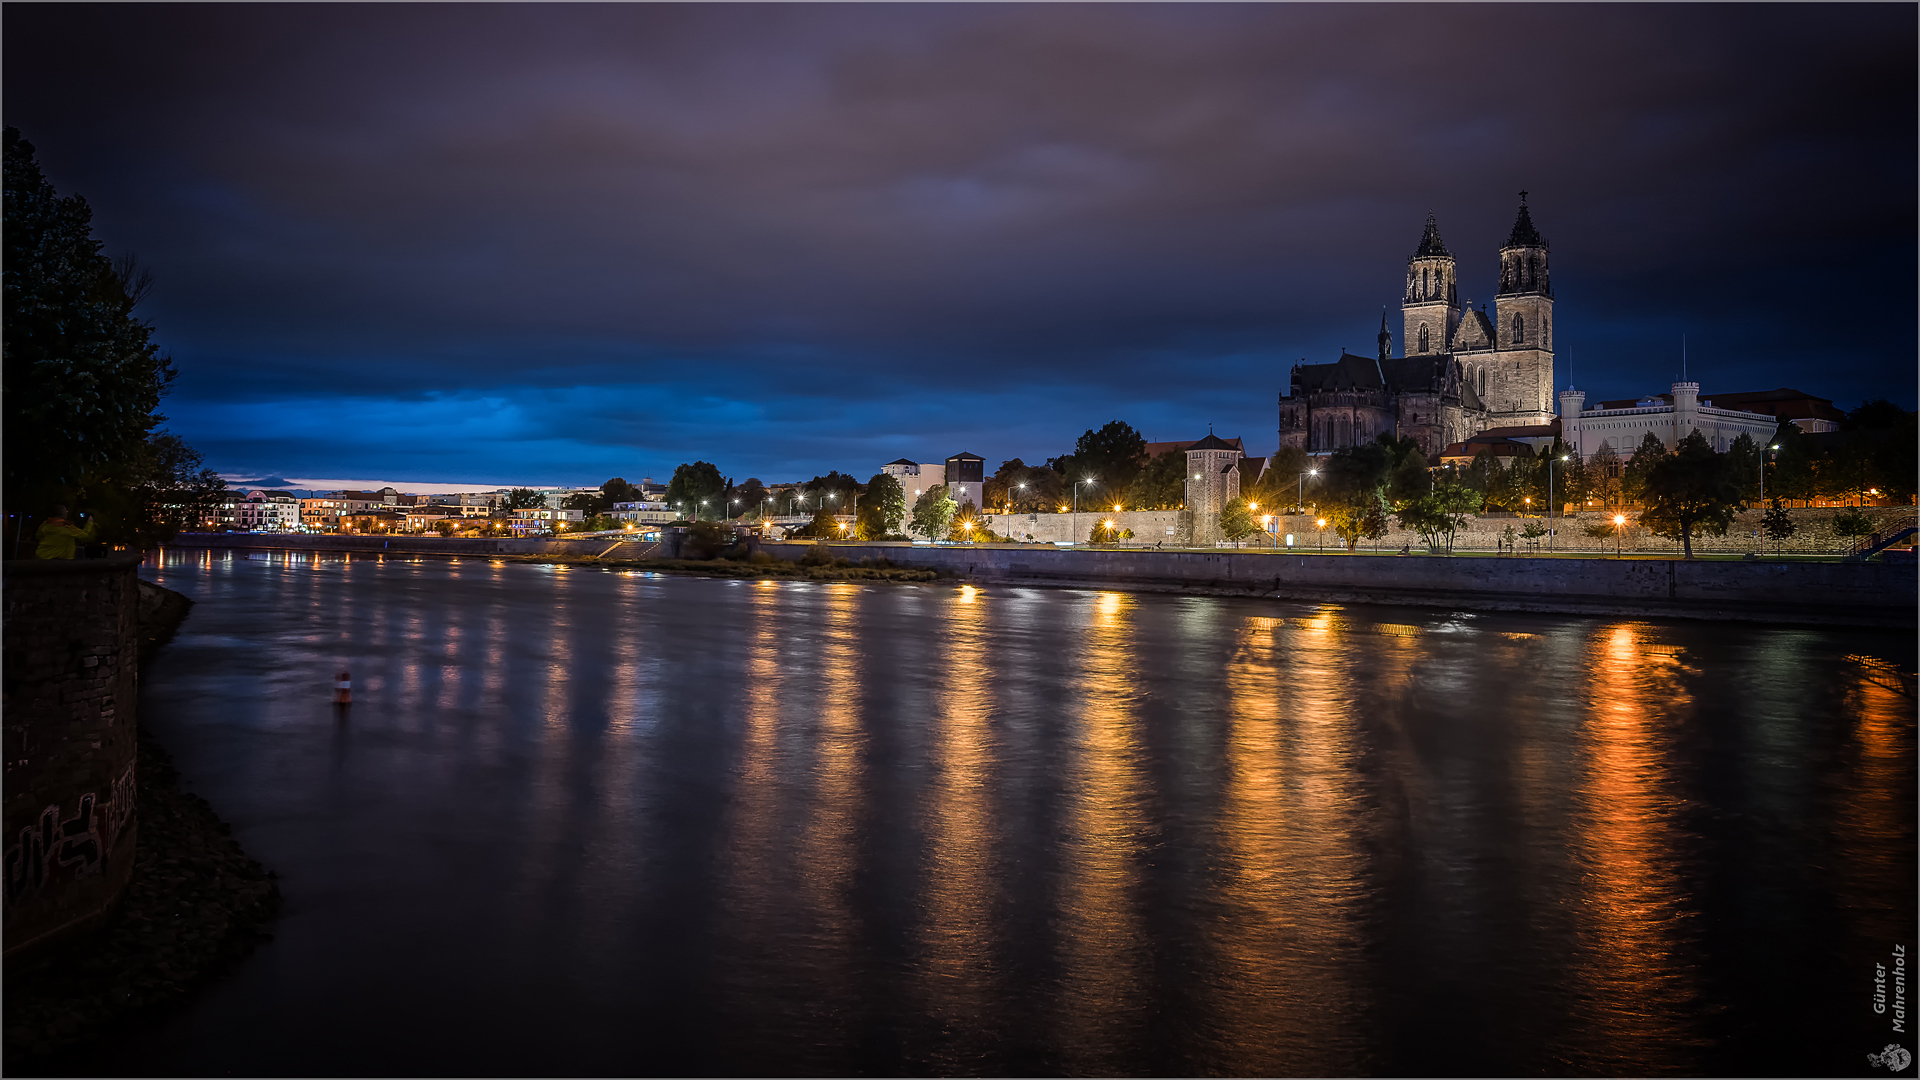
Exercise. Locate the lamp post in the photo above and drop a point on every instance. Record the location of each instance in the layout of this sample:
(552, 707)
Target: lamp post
(1763, 474)
(1619, 521)
(1550, 528)
(1076, 507)
(1322, 524)
(1300, 490)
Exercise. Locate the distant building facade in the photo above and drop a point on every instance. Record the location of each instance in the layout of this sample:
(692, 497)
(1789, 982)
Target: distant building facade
(1213, 481)
(966, 476)
(915, 477)
(1670, 417)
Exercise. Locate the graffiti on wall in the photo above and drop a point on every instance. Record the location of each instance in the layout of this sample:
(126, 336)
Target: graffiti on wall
(70, 847)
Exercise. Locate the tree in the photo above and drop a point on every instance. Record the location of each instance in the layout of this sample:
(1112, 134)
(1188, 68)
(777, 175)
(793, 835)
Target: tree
(837, 491)
(1633, 478)
(1486, 475)
(696, 489)
(1792, 474)
(1025, 489)
(1409, 481)
(588, 503)
(524, 499)
(169, 489)
(1743, 458)
(933, 512)
(824, 526)
(880, 508)
(1778, 523)
(1440, 514)
(1690, 490)
(752, 496)
(1603, 473)
(966, 527)
(1532, 532)
(82, 376)
(1352, 483)
(1161, 485)
(1851, 524)
(617, 490)
(1281, 485)
(1114, 455)
(1236, 520)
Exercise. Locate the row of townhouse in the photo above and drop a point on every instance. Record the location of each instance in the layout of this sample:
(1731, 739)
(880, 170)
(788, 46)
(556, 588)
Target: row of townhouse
(253, 511)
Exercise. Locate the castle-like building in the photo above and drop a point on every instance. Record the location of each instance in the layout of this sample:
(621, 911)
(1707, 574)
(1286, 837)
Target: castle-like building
(1461, 371)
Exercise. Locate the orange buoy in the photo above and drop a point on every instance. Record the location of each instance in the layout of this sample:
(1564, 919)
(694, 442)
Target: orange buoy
(343, 688)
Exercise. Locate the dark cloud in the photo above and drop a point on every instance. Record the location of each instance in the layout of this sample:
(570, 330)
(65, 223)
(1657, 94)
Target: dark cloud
(483, 241)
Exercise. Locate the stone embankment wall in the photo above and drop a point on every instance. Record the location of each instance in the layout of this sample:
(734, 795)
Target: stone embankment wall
(1813, 532)
(421, 545)
(71, 663)
(1868, 594)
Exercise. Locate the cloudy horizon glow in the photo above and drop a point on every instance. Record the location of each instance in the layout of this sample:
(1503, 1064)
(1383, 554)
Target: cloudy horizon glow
(556, 243)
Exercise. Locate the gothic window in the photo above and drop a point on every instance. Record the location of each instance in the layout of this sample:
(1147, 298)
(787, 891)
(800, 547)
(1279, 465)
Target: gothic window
(1423, 337)
(1546, 331)
(1519, 331)
(1426, 290)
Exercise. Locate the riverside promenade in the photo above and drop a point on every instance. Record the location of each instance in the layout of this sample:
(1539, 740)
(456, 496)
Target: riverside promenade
(1873, 594)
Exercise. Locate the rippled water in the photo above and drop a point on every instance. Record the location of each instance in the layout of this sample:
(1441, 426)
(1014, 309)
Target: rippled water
(585, 821)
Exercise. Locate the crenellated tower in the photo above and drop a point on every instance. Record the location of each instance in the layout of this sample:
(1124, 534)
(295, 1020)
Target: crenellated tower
(1430, 310)
(1523, 328)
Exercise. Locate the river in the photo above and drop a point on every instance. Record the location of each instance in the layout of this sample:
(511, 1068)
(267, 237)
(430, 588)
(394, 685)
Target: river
(586, 821)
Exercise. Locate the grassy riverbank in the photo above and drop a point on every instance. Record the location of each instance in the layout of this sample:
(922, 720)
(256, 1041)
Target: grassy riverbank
(195, 904)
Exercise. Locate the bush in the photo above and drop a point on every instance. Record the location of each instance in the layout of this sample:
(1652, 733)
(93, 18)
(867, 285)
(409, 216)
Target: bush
(816, 556)
(705, 539)
(1851, 524)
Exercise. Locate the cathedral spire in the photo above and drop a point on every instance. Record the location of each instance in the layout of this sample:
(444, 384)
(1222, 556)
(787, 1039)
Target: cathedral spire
(1386, 337)
(1430, 242)
(1524, 234)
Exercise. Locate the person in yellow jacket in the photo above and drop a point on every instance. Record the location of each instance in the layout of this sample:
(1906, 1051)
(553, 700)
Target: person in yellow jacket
(58, 538)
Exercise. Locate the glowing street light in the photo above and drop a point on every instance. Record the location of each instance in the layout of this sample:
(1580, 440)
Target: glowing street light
(1076, 506)
(1619, 520)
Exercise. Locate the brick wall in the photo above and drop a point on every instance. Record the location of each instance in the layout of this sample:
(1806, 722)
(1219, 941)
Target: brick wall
(71, 664)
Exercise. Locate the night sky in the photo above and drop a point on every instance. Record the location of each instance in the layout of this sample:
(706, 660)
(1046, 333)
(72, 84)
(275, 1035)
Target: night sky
(551, 244)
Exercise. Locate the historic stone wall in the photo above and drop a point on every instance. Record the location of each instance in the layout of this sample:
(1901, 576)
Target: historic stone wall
(1813, 536)
(71, 663)
(1167, 528)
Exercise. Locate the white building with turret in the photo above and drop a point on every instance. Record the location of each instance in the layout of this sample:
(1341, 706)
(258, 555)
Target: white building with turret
(1670, 418)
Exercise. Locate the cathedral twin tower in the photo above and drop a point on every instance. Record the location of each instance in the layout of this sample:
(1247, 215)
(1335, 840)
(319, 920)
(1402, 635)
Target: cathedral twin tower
(1461, 372)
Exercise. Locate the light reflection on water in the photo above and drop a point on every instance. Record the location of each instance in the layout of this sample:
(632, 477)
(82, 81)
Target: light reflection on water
(586, 821)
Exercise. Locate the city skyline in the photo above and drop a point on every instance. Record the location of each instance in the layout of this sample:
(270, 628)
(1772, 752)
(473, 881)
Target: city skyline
(562, 244)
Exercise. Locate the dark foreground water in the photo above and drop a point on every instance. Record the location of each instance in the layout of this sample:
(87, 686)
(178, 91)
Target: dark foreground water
(585, 821)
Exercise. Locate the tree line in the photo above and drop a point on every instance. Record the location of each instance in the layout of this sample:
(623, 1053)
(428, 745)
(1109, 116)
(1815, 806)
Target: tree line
(83, 378)
(1679, 494)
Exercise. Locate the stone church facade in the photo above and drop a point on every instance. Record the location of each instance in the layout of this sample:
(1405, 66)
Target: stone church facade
(1461, 370)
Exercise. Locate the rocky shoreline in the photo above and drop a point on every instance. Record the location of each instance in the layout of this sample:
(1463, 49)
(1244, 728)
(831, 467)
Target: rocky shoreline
(195, 905)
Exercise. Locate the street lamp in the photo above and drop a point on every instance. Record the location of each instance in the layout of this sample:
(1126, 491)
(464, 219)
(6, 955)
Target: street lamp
(1563, 457)
(1763, 474)
(1076, 506)
(1322, 523)
(1619, 521)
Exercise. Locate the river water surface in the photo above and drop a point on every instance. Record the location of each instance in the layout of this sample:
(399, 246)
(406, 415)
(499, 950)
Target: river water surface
(587, 821)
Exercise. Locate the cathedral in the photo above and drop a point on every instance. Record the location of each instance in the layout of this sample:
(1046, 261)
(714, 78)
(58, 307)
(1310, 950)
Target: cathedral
(1460, 372)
